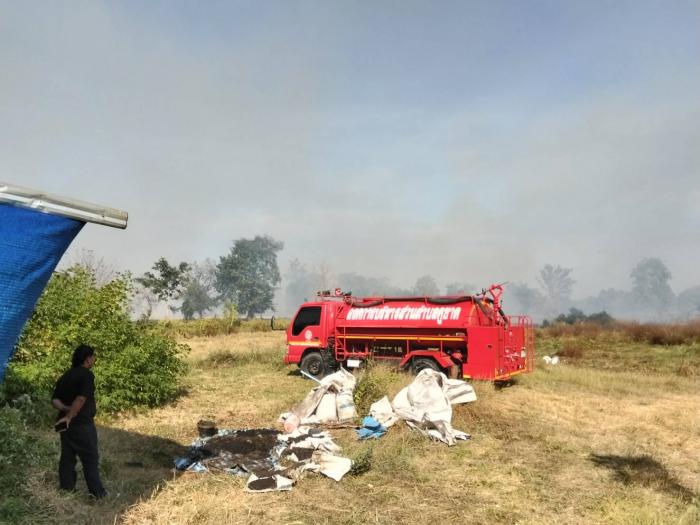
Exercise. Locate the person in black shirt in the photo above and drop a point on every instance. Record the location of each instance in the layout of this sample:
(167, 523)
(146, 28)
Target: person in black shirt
(74, 397)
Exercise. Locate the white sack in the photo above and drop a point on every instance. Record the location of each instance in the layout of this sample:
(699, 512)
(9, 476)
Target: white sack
(426, 404)
(334, 467)
(345, 406)
(310, 411)
(326, 410)
(459, 392)
(381, 411)
(340, 380)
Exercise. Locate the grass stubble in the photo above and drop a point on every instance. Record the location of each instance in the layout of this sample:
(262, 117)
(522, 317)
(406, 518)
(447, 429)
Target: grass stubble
(567, 444)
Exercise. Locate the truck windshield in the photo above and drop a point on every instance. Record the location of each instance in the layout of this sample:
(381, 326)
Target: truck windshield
(307, 316)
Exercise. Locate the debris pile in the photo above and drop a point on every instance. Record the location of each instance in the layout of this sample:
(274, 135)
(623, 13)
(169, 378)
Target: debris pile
(275, 461)
(272, 461)
(425, 405)
(330, 402)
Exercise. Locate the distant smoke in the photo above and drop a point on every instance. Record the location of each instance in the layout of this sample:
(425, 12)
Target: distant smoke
(650, 297)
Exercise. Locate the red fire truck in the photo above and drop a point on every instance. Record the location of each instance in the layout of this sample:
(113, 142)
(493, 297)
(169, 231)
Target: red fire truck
(464, 336)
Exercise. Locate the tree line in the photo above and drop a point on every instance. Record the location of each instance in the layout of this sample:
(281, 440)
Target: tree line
(650, 297)
(248, 280)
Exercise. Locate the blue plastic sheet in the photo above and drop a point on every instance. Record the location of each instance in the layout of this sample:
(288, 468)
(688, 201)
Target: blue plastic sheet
(31, 244)
(371, 428)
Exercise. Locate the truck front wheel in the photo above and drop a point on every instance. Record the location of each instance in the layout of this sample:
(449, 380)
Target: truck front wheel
(313, 364)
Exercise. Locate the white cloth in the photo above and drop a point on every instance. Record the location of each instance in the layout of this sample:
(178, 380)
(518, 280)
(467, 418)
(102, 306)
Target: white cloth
(381, 411)
(426, 404)
(330, 465)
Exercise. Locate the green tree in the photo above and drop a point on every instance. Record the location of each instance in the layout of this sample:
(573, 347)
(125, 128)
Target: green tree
(248, 275)
(166, 281)
(135, 366)
(198, 296)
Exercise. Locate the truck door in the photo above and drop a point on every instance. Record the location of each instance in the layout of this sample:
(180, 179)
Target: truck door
(483, 347)
(306, 329)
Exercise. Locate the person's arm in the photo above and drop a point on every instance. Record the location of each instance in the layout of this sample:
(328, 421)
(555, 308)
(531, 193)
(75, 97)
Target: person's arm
(73, 410)
(59, 405)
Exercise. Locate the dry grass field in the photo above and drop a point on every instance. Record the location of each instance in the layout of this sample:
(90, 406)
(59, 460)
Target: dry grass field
(593, 440)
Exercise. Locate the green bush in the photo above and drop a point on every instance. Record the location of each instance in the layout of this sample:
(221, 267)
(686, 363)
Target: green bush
(576, 316)
(19, 451)
(134, 367)
(362, 460)
(374, 382)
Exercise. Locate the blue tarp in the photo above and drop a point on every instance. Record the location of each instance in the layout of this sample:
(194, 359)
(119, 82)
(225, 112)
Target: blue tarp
(371, 428)
(31, 244)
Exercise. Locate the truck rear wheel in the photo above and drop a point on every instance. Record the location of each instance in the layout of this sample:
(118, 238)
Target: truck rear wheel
(313, 364)
(421, 363)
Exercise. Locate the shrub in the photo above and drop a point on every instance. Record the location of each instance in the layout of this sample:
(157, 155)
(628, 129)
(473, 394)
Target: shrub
(362, 461)
(373, 383)
(576, 317)
(662, 334)
(20, 451)
(134, 365)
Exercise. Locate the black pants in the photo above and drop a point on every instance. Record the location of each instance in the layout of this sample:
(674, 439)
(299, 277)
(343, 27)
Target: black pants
(80, 441)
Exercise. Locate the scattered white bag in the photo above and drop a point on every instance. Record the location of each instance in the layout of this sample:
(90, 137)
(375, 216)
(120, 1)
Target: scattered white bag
(381, 411)
(326, 410)
(334, 467)
(331, 401)
(426, 404)
(345, 406)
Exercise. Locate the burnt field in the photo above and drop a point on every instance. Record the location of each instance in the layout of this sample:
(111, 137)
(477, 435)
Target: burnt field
(610, 435)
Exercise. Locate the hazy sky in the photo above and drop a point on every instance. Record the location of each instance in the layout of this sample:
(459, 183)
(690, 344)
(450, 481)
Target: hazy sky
(473, 141)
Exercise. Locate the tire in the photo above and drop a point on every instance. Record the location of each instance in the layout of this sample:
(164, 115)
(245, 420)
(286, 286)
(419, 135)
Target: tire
(313, 364)
(421, 363)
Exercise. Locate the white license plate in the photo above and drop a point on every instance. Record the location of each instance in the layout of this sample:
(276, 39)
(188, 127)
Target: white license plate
(353, 363)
